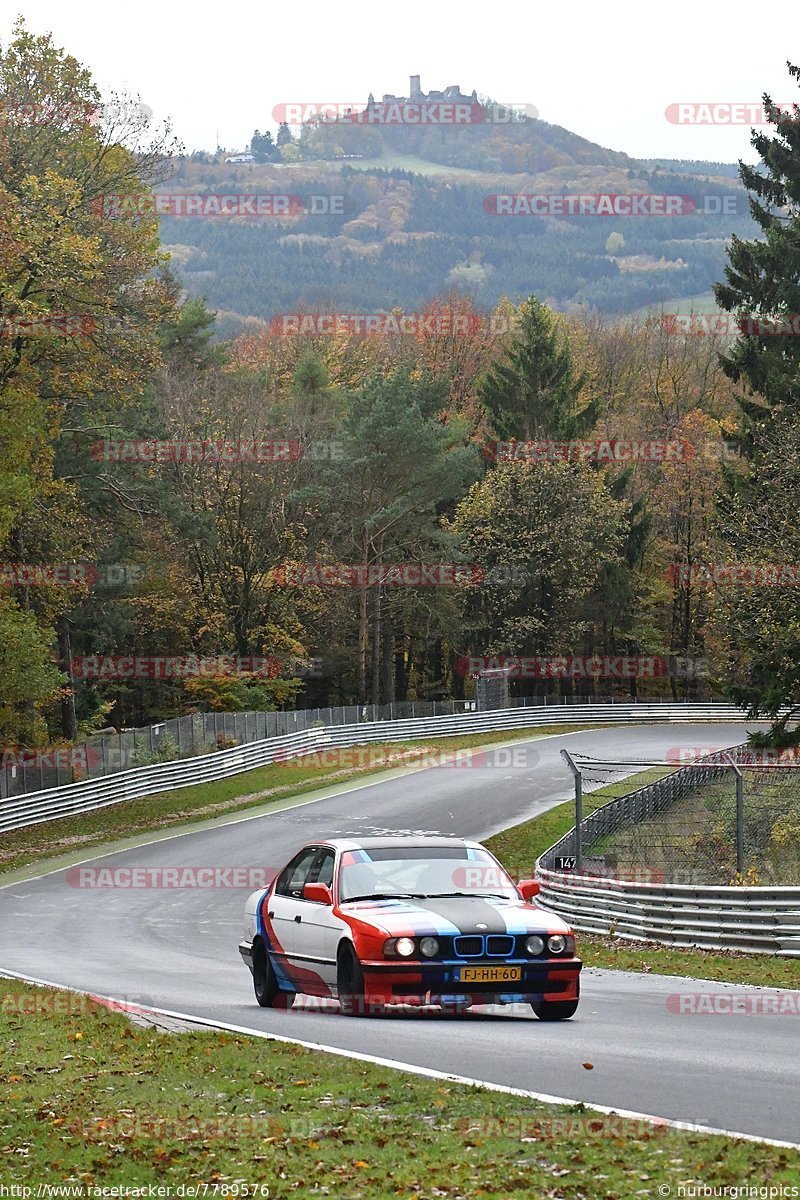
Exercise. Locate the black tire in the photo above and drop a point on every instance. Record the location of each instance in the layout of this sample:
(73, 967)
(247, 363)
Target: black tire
(265, 985)
(350, 984)
(557, 1010)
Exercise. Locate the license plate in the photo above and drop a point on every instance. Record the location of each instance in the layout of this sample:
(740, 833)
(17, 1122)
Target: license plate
(489, 974)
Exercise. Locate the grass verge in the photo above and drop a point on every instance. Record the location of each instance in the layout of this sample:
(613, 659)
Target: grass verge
(88, 1100)
(518, 849)
(251, 789)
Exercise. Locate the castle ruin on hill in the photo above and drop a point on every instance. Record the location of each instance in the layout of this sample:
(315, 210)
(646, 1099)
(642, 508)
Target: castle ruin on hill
(451, 95)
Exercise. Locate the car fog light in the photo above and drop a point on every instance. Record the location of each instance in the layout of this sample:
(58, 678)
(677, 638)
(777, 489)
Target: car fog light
(404, 947)
(534, 945)
(556, 944)
(429, 946)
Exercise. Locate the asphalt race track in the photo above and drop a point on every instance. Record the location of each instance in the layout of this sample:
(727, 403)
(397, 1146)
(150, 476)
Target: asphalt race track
(177, 950)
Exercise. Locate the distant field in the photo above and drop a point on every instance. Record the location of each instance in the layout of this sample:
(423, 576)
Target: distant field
(405, 162)
(704, 303)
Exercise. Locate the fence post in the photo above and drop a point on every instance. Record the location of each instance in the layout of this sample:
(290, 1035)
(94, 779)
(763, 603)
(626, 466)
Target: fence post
(568, 759)
(739, 817)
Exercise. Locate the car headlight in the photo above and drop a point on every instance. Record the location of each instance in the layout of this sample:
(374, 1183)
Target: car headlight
(405, 947)
(534, 944)
(559, 944)
(429, 946)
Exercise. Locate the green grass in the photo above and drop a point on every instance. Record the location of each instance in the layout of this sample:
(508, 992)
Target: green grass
(704, 303)
(699, 831)
(723, 966)
(252, 789)
(518, 849)
(407, 162)
(87, 1099)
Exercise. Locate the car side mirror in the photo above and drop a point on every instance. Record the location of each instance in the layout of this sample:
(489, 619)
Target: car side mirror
(528, 888)
(319, 893)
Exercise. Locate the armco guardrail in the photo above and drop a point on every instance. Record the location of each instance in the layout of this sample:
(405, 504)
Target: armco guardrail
(194, 734)
(761, 920)
(36, 807)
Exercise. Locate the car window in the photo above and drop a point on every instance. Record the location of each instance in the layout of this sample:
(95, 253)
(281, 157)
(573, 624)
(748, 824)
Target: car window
(392, 871)
(322, 870)
(292, 877)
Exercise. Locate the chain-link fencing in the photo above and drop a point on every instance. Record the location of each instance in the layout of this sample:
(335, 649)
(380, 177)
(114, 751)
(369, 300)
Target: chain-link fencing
(731, 818)
(25, 771)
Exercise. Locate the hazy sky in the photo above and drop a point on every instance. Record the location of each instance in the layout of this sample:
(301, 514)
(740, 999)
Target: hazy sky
(608, 72)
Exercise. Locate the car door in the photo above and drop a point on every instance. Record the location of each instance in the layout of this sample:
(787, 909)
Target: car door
(322, 931)
(284, 915)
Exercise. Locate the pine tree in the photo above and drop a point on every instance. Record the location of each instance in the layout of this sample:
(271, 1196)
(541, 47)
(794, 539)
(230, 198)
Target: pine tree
(532, 391)
(763, 275)
(758, 513)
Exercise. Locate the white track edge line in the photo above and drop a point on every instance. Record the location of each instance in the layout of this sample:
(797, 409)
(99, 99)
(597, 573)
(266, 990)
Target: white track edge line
(426, 1072)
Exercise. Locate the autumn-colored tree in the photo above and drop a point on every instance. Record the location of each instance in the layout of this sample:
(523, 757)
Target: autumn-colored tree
(560, 527)
(78, 310)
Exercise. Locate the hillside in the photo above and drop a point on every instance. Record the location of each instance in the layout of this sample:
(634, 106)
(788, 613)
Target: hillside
(369, 254)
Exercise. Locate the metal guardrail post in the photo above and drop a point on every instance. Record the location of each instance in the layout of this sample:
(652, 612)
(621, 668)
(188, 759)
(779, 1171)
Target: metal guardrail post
(568, 759)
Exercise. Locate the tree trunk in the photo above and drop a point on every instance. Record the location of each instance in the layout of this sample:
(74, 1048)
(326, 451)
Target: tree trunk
(400, 668)
(376, 631)
(362, 641)
(69, 722)
(388, 658)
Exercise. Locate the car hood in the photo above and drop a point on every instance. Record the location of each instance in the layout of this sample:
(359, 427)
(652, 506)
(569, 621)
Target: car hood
(451, 915)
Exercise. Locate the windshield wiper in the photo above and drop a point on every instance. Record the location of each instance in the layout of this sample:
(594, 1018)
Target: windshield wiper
(471, 895)
(387, 896)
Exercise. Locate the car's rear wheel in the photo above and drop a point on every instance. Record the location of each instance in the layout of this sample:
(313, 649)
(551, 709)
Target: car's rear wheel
(265, 985)
(350, 985)
(557, 1010)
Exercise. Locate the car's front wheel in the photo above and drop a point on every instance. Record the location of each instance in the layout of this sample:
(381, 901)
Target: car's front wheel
(350, 984)
(557, 1010)
(265, 985)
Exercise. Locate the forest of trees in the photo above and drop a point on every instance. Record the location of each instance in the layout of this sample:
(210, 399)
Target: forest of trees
(390, 458)
(403, 239)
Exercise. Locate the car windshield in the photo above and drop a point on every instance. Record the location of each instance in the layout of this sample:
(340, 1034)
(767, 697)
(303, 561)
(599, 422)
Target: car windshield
(421, 873)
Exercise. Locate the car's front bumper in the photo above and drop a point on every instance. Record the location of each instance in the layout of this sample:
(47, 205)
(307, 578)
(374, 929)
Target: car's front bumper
(549, 979)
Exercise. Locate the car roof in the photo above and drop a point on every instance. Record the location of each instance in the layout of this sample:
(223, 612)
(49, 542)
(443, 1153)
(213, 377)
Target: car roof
(400, 840)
